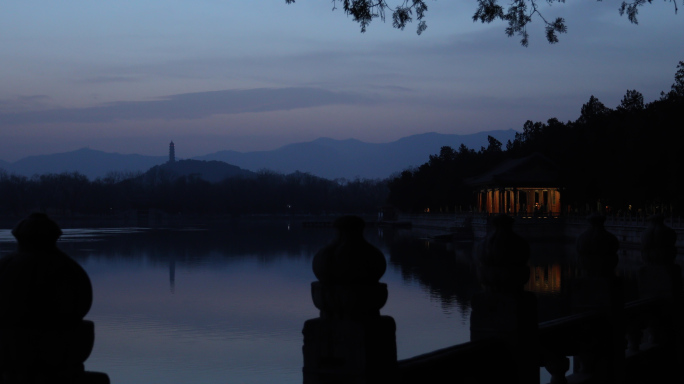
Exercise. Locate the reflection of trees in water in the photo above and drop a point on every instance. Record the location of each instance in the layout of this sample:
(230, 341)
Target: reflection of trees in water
(447, 275)
(265, 240)
(450, 274)
(557, 260)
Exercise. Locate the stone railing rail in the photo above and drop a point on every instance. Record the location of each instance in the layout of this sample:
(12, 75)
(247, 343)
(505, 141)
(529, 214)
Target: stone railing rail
(609, 341)
(465, 363)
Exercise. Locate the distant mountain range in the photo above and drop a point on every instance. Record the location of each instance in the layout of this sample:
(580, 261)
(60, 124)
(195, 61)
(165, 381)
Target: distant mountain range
(322, 157)
(89, 162)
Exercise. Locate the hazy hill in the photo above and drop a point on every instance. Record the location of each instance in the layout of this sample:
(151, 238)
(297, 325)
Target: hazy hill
(323, 157)
(212, 171)
(332, 158)
(89, 162)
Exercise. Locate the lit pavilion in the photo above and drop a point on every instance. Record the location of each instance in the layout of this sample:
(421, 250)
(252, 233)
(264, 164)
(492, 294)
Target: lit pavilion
(529, 185)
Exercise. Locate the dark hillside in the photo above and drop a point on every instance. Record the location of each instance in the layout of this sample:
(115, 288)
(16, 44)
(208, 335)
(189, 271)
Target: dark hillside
(211, 171)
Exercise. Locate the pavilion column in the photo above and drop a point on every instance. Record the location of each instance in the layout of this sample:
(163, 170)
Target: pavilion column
(506, 200)
(490, 201)
(515, 201)
(483, 199)
(556, 201)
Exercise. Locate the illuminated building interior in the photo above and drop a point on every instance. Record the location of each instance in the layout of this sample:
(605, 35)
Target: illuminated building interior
(528, 185)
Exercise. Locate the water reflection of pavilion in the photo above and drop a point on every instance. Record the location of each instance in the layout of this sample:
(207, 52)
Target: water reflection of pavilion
(545, 278)
(519, 186)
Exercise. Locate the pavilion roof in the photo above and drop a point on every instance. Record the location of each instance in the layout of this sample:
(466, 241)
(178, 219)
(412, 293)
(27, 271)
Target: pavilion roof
(535, 170)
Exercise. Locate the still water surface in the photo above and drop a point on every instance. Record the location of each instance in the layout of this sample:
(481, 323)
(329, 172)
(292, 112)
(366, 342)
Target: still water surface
(227, 305)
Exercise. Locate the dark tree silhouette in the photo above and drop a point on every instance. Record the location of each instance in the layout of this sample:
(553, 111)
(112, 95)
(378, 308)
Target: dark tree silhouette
(677, 89)
(632, 101)
(592, 110)
(493, 146)
(517, 13)
(628, 159)
(165, 190)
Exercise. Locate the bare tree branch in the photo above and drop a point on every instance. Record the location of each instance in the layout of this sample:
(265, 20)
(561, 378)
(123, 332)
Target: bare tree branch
(518, 14)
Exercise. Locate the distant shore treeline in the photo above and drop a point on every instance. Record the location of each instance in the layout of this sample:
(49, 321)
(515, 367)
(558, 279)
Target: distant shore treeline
(266, 192)
(628, 159)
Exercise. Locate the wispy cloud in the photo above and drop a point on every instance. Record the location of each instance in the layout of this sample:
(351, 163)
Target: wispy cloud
(21, 104)
(191, 106)
(109, 79)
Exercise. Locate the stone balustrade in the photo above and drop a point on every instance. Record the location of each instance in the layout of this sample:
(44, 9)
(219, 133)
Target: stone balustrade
(44, 295)
(608, 340)
(350, 342)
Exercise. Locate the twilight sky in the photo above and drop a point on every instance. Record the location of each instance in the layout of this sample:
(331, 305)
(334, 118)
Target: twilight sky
(128, 76)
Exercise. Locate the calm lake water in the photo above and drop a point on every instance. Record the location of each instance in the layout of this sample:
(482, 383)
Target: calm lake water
(227, 305)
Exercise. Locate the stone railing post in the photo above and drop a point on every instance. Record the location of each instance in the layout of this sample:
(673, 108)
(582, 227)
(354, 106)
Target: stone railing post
(44, 295)
(599, 289)
(350, 342)
(504, 310)
(661, 277)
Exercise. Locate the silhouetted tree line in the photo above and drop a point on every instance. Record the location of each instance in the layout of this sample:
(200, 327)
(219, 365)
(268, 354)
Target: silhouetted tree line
(267, 193)
(627, 159)
(439, 185)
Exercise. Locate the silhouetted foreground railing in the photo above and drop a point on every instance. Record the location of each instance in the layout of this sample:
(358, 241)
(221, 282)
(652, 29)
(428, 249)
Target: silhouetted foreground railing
(630, 220)
(44, 295)
(463, 363)
(610, 341)
(446, 220)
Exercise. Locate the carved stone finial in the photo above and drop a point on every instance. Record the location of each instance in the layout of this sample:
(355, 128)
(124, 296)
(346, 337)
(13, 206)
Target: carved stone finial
(37, 231)
(44, 295)
(39, 281)
(658, 242)
(503, 258)
(348, 270)
(350, 342)
(597, 249)
(349, 258)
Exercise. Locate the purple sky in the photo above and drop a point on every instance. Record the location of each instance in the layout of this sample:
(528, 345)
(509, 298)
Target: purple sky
(131, 75)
